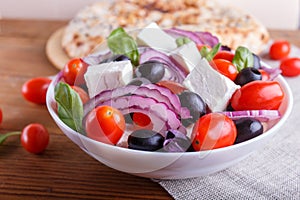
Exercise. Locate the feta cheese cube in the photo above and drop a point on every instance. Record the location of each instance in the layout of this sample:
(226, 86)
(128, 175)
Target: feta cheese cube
(156, 38)
(188, 56)
(108, 76)
(214, 88)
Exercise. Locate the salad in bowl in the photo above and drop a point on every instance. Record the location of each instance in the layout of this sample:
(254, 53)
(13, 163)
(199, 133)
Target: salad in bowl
(168, 103)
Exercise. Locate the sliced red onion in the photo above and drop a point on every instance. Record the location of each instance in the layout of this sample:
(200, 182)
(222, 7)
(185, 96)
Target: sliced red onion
(261, 115)
(163, 118)
(175, 69)
(208, 38)
(176, 141)
(176, 32)
(96, 58)
(273, 72)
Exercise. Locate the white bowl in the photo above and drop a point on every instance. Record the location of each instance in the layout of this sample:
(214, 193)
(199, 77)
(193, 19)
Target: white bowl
(171, 165)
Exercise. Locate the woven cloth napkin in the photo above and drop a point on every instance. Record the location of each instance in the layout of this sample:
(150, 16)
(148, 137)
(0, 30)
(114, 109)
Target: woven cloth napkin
(272, 172)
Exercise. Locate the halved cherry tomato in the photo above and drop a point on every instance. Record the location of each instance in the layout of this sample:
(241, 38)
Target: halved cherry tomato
(212, 131)
(82, 94)
(74, 70)
(141, 119)
(105, 124)
(175, 87)
(35, 138)
(225, 67)
(258, 95)
(35, 90)
(290, 67)
(279, 49)
(226, 55)
(264, 75)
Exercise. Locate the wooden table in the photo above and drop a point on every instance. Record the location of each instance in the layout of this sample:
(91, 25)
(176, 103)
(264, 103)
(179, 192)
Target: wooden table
(63, 171)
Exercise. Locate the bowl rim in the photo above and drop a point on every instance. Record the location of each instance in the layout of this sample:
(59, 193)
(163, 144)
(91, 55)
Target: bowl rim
(284, 117)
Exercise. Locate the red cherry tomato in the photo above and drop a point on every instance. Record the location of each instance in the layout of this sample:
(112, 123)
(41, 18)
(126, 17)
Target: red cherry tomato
(226, 55)
(279, 49)
(290, 67)
(141, 119)
(74, 70)
(264, 75)
(105, 124)
(212, 131)
(35, 90)
(258, 95)
(175, 87)
(82, 94)
(225, 67)
(35, 138)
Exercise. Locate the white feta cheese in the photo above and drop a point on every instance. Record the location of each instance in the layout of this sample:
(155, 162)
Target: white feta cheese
(108, 76)
(156, 38)
(214, 88)
(187, 56)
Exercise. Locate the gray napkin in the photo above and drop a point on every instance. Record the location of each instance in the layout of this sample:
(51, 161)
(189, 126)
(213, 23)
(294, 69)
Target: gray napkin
(270, 173)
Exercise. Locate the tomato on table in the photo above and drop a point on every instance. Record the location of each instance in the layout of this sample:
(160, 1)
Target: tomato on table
(290, 67)
(74, 70)
(212, 131)
(105, 124)
(226, 55)
(35, 138)
(35, 90)
(225, 67)
(279, 49)
(258, 95)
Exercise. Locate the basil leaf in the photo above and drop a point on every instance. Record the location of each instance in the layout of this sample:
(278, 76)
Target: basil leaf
(243, 58)
(182, 41)
(69, 106)
(210, 54)
(119, 42)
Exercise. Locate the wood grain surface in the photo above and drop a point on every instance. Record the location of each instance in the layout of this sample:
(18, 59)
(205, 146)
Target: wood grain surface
(63, 171)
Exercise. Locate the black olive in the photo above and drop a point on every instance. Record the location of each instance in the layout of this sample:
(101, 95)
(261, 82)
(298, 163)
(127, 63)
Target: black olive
(247, 128)
(145, 140)
(194, 103)
(256, 60)
(152, 70)
(247, 75)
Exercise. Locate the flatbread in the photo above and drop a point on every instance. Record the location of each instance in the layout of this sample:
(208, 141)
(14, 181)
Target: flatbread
(93, 23)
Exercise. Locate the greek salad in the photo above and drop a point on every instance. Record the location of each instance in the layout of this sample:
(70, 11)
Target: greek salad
(168, 90)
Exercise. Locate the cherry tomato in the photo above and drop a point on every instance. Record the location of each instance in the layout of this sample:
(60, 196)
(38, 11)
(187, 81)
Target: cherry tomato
(258, 95)
(175, 87)
(74, 70)
(212, 131)
(264, 75)
(35, 138)
(105, 124)
(226, 55)
(1, 116)
(225, 67)
(35, 90)
(279, 49)
(290, 67)
(82, 94)
(141, 119)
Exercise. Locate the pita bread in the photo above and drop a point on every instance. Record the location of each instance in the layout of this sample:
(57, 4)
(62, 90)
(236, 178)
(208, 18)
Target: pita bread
(93, 23)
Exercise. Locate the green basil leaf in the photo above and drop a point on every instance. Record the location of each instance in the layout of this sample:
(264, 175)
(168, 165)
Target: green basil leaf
(69, 106)
(243, 58)
(119, 42)
(182, 41)
(210, 54)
